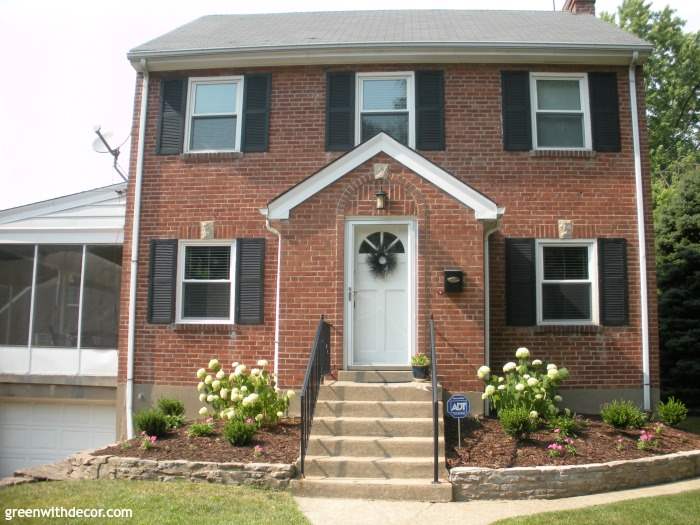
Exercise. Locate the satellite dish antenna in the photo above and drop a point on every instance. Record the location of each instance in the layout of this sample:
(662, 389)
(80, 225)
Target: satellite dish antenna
(101, 145)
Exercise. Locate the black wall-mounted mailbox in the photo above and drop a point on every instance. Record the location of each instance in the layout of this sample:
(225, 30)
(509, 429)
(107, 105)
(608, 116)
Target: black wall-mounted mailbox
(454, 280)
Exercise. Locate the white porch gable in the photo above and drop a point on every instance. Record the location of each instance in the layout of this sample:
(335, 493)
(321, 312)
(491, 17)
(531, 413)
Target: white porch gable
(484, 208)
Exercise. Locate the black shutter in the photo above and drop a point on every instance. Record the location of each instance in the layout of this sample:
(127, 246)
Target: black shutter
(340, 111)
(520, 282)
(250, 262)
(605, 111)
(515, 101)
(430, 110)
(612, 278)
(171, 125)
(256, 112)
(161, 281)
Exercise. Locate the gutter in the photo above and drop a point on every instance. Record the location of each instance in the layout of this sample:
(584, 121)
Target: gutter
(277, 296)
(133, 272)
(488, 231)
(641, 235)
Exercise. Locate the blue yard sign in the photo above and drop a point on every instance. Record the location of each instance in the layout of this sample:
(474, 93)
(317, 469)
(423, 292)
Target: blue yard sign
(458, 406)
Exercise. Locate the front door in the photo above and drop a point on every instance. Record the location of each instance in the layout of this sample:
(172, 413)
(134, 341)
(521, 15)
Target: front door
(379, 294)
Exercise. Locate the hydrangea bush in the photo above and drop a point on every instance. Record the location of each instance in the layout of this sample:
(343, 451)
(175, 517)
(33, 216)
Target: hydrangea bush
(528, 385)
(244, 394)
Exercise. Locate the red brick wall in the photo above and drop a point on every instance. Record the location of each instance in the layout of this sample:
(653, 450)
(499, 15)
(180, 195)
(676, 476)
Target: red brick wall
(595, 191)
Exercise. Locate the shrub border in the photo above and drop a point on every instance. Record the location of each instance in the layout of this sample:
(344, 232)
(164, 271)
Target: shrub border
(551, 482)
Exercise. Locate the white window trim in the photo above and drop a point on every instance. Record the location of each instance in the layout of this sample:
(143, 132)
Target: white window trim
(191, 86)
(410, 101)
(592, 246)
(182, 245)
(585, 108)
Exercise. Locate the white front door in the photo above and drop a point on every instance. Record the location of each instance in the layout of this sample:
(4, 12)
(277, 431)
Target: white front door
(379, 294)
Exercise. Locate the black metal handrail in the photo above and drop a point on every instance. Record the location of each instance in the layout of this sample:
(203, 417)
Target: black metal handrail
(433, 379)
(318, 366)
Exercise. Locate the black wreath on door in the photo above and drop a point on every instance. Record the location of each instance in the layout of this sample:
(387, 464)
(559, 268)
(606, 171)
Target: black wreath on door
(381, 249)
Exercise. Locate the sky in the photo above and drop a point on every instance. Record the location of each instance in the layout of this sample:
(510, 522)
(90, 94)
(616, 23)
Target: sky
(65, 71)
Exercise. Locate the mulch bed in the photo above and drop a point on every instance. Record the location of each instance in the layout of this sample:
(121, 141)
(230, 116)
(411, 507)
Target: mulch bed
(280, 445)
(484, 444)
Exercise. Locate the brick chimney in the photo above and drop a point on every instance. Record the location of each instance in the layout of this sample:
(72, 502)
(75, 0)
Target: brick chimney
(580, 7)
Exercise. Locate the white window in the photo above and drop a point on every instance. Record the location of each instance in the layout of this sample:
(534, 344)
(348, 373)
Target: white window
(560, 111)
(385, 102)
(205, 292)
(214, 107)
(567, 282)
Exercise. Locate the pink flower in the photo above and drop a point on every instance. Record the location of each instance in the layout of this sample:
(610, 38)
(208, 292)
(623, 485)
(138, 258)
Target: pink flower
(569, 441)
(645, 436)
(250, 421)
(556, 447)
(153, 439)
(556, 430)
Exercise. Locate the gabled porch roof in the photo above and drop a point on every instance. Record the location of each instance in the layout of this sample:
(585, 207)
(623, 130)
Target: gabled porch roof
(281, 206)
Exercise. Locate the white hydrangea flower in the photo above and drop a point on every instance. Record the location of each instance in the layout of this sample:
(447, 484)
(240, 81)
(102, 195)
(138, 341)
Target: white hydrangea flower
(231, 376)
(484, 396)
(500, 380)
(532, 381)
(202, 397)
(538, 396)
(216, 385)
(558, 398)
(483, 372)
(520, 387)
(280, 414)
(490, 390)
(208, 380)
(211, 398)
(534, 414)
(220, 374)
(509, 367)
(201, 386)
(240, 370)
(501, 387)
(551, 366)
(537, 362)
(203, 411)
(522, 353)
(234, 365)
(250, 399)
(552, 373)
(214, 365)
(262, 362)
(290, 394)
(244, 388)
(201, 373)
(224, 393)
(255, 372)
(259, 418)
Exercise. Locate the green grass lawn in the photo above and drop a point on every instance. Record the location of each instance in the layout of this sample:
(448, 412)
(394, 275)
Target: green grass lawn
(692, 424)
(156, 502)
(678, 509)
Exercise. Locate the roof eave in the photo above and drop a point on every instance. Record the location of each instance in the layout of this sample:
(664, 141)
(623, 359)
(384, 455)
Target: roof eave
(381, 53)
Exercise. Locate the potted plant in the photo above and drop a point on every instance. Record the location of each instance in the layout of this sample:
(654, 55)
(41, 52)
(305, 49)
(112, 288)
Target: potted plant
(421, 365)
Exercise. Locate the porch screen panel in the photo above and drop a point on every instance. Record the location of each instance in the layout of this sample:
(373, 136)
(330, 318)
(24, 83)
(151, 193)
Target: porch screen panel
(16, 268)
(100, 317)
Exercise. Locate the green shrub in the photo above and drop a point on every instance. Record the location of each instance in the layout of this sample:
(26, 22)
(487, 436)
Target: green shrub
(171, 407)
(420, 360)
(239, 432)
(517, 421)
(200, 430)
(531, 385)
(151, 421)
(174, 421)
(242, 393)
(672, 412)
(623, 414)
(569, 425)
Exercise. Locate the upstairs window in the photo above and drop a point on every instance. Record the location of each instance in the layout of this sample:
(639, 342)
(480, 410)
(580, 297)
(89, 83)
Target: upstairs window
(560, 111)
(206, 282)
(214, 111)
(567, 283)
(385, 102)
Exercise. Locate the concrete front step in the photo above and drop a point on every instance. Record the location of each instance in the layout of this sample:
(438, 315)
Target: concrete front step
(351, 391)
(375, 426)
(368, 467)
(376, 376)
(375, 409)
(376, 446)
(380, 489)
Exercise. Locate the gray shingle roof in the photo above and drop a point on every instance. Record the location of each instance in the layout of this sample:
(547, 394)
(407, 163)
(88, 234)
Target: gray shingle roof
(386, 28)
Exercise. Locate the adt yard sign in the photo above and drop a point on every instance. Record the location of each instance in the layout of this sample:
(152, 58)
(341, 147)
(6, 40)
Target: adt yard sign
(458, 406)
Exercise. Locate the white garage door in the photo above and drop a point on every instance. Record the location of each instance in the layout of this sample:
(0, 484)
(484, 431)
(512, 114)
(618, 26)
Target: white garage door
(34, 433)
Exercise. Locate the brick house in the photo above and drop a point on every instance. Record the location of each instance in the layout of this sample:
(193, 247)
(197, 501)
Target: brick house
(291, 166)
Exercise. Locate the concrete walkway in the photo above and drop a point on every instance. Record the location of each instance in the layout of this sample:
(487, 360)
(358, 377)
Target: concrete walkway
(329, 511)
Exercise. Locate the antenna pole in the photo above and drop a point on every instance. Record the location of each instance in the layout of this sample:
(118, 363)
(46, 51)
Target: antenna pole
(113, 152)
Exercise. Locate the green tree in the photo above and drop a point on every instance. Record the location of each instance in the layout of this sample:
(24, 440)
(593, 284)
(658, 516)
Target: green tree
(672, 80)
(677, 218)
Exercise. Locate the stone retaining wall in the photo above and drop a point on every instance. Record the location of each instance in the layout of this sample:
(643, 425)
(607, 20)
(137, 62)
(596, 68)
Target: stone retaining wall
(470, 483)
(88, 466)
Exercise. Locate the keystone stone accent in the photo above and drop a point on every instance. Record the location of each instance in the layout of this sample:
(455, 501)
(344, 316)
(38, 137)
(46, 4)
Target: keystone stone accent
(550, 482)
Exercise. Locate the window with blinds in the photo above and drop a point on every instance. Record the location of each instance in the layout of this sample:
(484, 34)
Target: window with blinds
(206, 284)
(567, 284)
(385, 103)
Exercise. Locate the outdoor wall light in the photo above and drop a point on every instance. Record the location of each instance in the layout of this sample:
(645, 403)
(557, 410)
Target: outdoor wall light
(382, 199)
